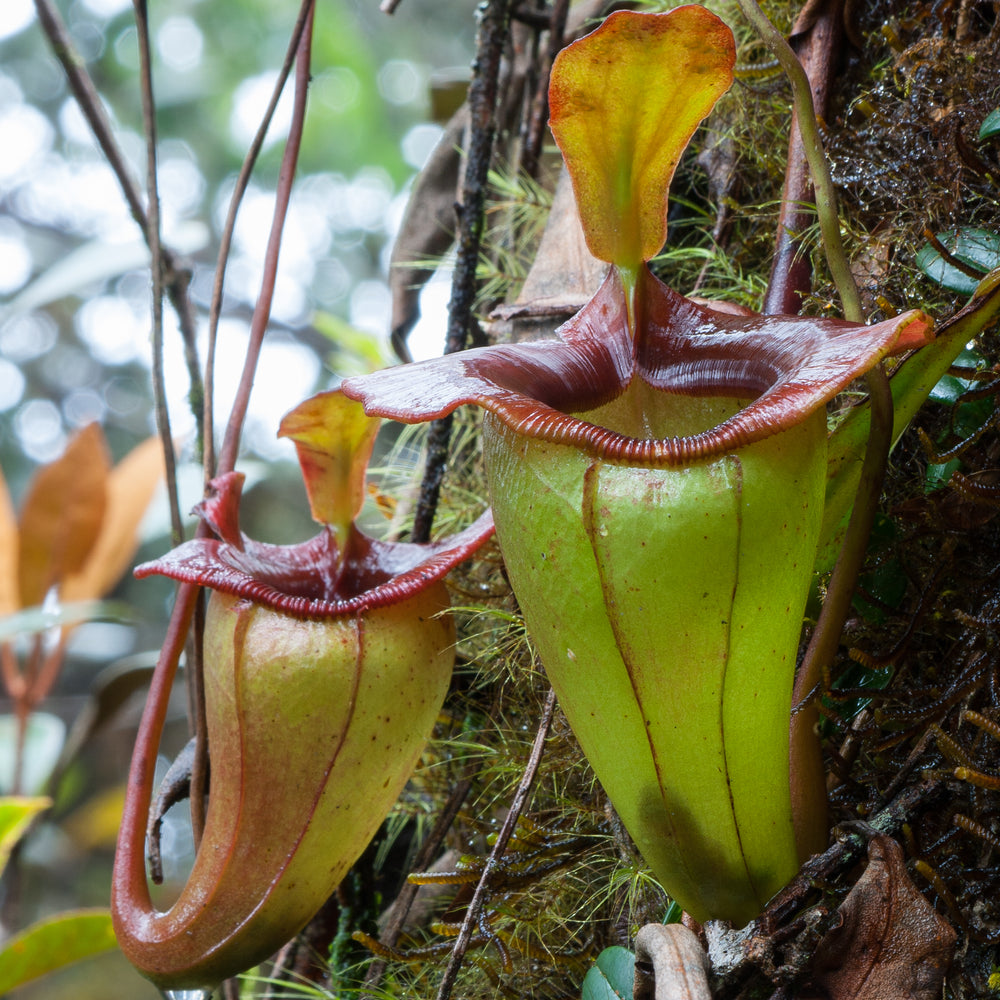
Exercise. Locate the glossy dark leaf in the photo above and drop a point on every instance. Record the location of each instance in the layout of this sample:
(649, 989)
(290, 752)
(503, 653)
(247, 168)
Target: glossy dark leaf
(991, 125)
(978, 248)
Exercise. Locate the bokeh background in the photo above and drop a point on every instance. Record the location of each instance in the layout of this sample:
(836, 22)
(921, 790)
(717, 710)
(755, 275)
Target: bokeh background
(75, 316)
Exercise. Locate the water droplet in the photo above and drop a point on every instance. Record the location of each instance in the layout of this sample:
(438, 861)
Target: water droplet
(187, 994)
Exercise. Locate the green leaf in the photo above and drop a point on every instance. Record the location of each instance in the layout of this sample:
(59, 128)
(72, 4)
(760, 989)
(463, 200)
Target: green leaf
(95, 262)
(859, 678)
(950, 388)
(52, 944)
(910, 385)
(611, 977)
(991, 125)
(979, 248)
(354, 351)
(621, 152)
(937, 475)
(16, 813)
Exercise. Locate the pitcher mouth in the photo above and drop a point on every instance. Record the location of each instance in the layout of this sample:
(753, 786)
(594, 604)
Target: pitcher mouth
(313, 579)
(785, 367)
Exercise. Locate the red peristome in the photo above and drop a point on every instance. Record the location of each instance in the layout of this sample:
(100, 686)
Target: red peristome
(788, 365)
(313, 579)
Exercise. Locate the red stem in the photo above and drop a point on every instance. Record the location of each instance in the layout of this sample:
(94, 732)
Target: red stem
(262, 311)
(226, 240)
(128, 879)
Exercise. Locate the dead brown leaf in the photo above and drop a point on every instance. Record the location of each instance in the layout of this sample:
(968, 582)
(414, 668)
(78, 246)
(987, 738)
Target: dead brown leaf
(890, 943)
(563, 278)
(9, 599)
(62, 514)
(130, 488)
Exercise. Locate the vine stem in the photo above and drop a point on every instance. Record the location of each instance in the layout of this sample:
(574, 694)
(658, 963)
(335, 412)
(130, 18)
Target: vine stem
(483, 94)
(826, 195)
(229, 228)
(499, 847)
(128, 879)
(814, 40)
(262, 310)
(806, 764)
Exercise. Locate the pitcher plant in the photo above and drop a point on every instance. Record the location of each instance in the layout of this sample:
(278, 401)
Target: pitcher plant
(657, 477)
(326, 664)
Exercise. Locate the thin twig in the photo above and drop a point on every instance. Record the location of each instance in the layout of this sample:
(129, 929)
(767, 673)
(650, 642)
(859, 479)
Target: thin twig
(539, 110)
(406, 896)
(503, 837)
(90, 104)
(848, 848)
(301, 55)
(262, 310)
(483, 94)
(155, 254)
(193, 675)
(175, 278)
(226, 239)
(808, 798)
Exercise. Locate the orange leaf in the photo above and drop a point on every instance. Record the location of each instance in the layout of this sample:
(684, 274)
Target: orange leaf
(334, 440)
(130, 488)
(62, 514)
(9, 596)
(624, 102)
